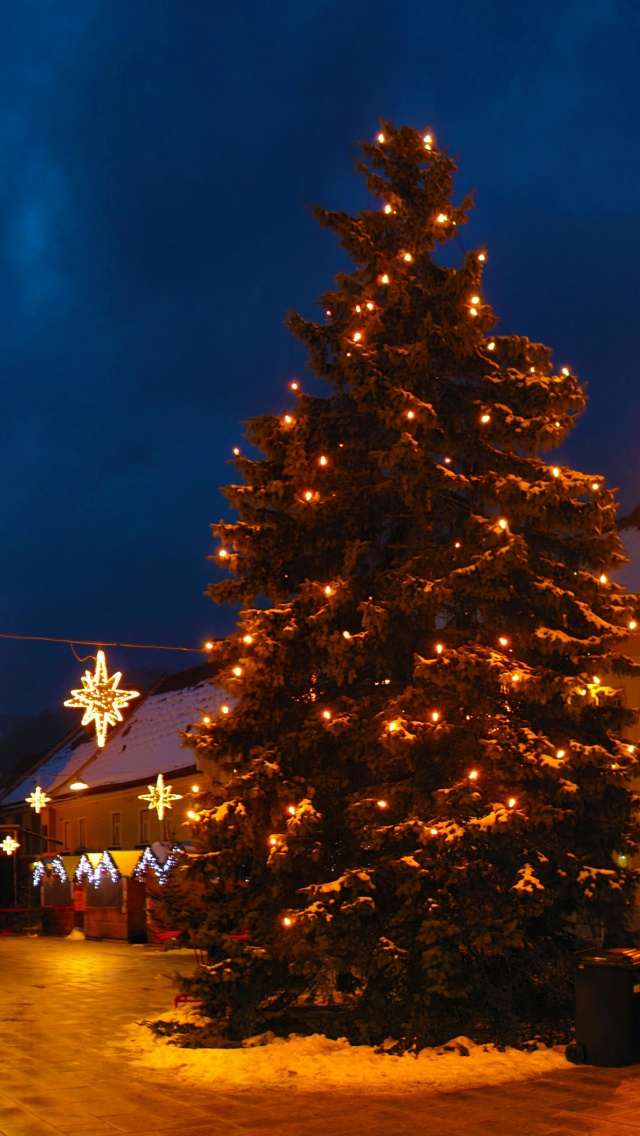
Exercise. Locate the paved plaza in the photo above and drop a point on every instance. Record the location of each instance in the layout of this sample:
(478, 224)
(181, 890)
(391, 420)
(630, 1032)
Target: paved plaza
(63, 1002)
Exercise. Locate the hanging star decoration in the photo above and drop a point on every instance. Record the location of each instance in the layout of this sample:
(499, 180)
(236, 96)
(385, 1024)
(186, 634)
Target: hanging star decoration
(100, 698)
(37, 799)
(160, 796)
(9, 845)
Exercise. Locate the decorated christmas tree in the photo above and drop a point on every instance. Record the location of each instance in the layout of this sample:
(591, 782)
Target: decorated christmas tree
(427, 806)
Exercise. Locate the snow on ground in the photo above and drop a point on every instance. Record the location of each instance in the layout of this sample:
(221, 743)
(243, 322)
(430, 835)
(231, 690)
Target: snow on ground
(318, 1063)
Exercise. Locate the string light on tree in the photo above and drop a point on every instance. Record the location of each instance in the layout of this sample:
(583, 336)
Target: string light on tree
(101, 699)
(160, 796)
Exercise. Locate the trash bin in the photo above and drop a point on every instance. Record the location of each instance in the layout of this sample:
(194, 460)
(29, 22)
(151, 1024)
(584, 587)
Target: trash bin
(607, 987)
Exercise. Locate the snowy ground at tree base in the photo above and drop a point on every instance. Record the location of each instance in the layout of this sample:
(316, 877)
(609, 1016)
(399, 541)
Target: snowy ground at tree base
(317, 1063)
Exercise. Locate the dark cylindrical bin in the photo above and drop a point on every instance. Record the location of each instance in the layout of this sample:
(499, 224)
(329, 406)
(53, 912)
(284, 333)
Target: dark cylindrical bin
(607, 985)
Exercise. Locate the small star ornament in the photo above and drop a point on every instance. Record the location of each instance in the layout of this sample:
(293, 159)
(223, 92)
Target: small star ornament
(37, 799)
(160, 796)
(9, 845)
(100, 698)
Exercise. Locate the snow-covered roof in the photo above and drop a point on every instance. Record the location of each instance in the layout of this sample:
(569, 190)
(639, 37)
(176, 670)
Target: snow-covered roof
(147, 743)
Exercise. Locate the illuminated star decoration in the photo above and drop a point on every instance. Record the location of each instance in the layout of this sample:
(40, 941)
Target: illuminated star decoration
(37, 799)
(100, 698)
(160, 796)
(9, 845)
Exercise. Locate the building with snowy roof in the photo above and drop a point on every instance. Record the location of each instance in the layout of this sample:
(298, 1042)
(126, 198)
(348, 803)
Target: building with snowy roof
(95, 814)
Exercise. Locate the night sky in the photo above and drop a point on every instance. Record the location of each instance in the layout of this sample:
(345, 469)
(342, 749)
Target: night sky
(158, 159)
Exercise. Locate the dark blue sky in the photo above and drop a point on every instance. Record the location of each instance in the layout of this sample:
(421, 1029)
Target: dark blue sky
(157, 159)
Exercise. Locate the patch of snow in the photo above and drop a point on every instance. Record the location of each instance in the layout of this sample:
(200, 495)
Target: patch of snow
(77, 933)
(319, 1063)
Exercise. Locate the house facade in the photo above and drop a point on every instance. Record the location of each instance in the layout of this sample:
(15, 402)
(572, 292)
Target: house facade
(97, 845)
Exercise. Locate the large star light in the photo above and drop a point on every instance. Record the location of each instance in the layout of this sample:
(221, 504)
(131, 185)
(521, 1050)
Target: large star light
(100, 698)
(38, 799)
(160, 796)
(9, 845)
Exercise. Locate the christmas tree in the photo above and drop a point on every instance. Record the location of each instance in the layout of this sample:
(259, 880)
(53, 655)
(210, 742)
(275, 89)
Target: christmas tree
(427, 806)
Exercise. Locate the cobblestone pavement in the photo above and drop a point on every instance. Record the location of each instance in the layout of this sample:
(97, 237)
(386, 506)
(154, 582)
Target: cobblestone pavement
(62, 1001)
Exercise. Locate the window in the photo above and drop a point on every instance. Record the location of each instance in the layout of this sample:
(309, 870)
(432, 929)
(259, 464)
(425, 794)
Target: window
(82, 832)
(143, 826)
(67, 835)
(115, 830)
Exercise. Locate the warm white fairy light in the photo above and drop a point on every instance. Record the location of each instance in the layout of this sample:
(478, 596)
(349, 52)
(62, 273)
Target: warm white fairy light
(457, 544)
(408, 257)
(631, 749)
(491, 345)
(224, 709)
(288, 419)
(435, 716)
(511, 802)
(502, 523)
(248, 639)
(294, 386)
(565, 371)
(100, 698)
(428, 141)
(346, 635)
(358, 309)
(475, 299)
(473, 776)
(555, 471)
(473, 311)
(37, 799)
(388, 209)
(442, 218)
(357, 336)
(291, 809)
(195, 788)
(560, 754)
(603, 578)
(410, 414)
(485, 418)
(595, 487)
(208, 645)
(326, 714)
(482, 256)
(384, 279)
(596, 679)
(381, 138)
(322, 460)
(328, 590)
(439, 648)
(382, 804)
(237, 671)
(287, 921)
(632, 625)
(393, 726)
(223, 554)
(236, 450)
(370, 306)
(308, 495)
(160, 796)
(433, 831)
(503, 642)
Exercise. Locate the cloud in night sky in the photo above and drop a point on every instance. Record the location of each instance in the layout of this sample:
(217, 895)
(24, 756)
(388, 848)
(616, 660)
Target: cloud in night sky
(156, 164)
